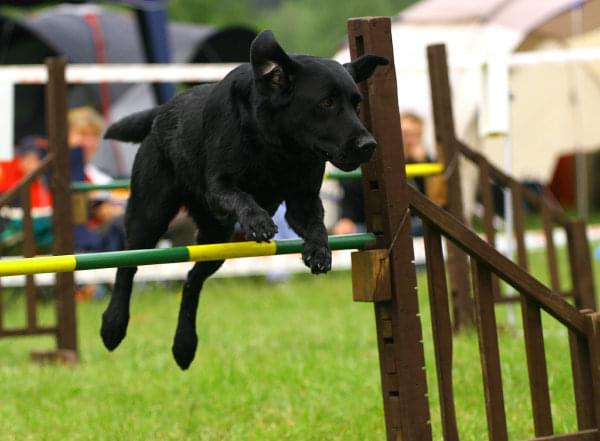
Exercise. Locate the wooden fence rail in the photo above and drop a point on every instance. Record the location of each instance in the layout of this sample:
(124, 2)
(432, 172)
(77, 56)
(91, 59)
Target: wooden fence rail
(532, 295)
(57, 163)
(485, 262)
(452, 152)
(552, 217)
(399, 334)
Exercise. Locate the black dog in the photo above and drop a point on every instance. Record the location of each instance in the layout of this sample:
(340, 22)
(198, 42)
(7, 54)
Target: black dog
(232, 152)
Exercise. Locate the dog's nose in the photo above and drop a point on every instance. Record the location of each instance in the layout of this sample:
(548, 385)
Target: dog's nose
(366, 143)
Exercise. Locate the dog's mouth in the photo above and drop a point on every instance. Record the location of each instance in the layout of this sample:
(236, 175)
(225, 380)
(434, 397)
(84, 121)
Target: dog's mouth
(346, 166)
(328, 156)
(340, 162)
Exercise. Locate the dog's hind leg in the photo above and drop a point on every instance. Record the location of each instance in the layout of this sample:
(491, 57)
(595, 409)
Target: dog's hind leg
(186, 340)
(149, 210)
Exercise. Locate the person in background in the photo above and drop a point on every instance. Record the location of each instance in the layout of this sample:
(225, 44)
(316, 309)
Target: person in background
(85, 128)
(352, 215)
(414, 150)
(102, 228)
(28, 157)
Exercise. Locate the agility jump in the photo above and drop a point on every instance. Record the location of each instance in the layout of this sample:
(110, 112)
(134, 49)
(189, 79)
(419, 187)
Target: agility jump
(192, 253)
(397, 314)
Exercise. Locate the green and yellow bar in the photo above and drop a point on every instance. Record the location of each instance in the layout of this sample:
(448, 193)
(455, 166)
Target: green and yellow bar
(192, 253)
(412, 171)
(117, 184)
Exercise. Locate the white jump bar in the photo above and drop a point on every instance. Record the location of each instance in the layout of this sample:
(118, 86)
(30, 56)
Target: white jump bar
(211, 72)
(119, 73)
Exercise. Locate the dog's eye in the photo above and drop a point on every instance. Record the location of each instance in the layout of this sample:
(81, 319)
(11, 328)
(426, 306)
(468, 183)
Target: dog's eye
(357, 108)
(327, 103)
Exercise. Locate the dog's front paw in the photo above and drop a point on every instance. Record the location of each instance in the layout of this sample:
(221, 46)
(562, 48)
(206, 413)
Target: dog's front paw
(184, 348)
(258, 225)
(317, 258)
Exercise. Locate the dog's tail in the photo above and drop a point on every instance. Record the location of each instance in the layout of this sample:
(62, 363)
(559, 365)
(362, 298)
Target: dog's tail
(132, 128)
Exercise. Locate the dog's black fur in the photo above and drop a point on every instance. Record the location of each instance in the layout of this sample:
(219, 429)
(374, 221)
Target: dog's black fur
(233, 151)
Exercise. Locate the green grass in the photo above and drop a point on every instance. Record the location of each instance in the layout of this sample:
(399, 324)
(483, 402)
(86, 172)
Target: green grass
(534, 221)
(295, 361)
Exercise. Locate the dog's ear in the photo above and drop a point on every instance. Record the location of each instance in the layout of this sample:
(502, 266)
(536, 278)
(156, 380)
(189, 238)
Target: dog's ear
(364, 66)
(270, 62)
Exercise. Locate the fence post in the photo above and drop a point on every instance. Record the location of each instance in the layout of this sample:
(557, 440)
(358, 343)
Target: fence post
(488, 350)
(441, 325)
(448, 153)
(399, 335)
(592, 326)
(581, 266)
(62, 217)
(29, 251)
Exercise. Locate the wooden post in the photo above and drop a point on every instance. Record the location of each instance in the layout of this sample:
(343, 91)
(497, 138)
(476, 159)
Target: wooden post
(581, 367)
(62, 217)
(489, 352)
(550, 249)
(519, 223)
(581, 266)
(442, 328)
(537, 368)
(448, 153)
(592, 326)
(489, 212)
(29, 251)
(399, 336)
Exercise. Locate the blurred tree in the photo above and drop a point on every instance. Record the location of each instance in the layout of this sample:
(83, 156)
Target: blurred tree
(213, 12)
(305, 26)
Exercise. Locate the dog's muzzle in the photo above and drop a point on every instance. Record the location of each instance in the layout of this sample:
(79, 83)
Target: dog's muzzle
(363, 149)
(366, 144)
(357, 153)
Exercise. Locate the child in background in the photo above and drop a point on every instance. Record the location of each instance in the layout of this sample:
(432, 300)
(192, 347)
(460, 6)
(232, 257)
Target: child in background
(85, 128)
(28, 157)
(104, 229)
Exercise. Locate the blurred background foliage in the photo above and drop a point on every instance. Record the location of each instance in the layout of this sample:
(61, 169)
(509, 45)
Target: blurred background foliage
(305, 26)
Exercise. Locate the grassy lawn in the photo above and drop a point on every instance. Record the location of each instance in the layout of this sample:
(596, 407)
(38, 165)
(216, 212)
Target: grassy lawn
(293, 361)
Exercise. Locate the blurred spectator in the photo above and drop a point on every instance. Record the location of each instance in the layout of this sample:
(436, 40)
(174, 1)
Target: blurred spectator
(352, 211)
(85, 127)
(182, 230)
(100, 227)
(352, 216)
(107, 207)
(28, 156)
(104, 229)
(414, 150)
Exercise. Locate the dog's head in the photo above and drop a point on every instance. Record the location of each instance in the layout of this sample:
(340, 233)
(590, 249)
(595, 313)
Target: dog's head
(314, 102)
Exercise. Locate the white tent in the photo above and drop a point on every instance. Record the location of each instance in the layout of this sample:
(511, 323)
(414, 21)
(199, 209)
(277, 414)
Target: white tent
(553, 109)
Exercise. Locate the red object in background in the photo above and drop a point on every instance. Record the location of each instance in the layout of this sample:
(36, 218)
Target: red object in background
(562, 185)
(40, 195)
(10, 174)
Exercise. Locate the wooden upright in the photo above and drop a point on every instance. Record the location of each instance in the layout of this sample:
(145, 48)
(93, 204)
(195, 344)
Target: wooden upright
(62, 217)
(447, 151)
(388, 217)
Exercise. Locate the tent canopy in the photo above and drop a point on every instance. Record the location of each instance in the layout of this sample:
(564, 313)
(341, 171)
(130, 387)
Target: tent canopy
(533, 19)
(66, 30)
(545, 116)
